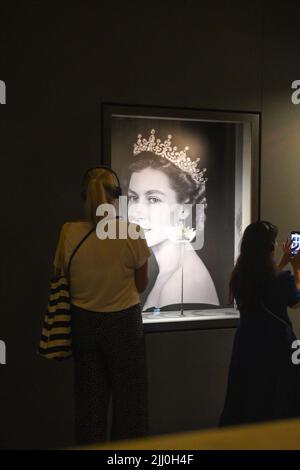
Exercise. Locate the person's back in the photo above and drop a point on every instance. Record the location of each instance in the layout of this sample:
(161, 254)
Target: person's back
(106, 276)
(263, 383)
(102, 273)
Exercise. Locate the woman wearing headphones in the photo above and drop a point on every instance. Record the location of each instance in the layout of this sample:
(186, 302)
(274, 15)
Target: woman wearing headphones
(264, 381)
(108, 346)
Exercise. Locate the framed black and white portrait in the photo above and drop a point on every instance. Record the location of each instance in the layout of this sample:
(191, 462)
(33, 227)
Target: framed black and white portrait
(191, 181)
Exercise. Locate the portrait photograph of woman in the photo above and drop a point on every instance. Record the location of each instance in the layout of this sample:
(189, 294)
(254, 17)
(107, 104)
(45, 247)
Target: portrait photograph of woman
(179, 178)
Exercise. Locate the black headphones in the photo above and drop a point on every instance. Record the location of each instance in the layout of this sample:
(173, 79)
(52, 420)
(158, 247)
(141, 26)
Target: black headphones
(117, 191)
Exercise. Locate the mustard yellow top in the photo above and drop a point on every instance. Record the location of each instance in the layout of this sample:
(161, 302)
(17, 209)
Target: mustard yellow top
(102, 270)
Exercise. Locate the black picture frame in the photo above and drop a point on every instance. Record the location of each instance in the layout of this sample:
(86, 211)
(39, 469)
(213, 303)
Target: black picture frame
(241, 128)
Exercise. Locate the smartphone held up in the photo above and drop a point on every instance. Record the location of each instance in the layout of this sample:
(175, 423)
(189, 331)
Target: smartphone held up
(295, 242)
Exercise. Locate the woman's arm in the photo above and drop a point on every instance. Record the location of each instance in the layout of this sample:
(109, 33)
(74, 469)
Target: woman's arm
(295, 262)
(286, 255)
(141, 277)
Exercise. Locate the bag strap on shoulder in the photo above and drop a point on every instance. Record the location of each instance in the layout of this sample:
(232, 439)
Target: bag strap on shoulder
(77, 248)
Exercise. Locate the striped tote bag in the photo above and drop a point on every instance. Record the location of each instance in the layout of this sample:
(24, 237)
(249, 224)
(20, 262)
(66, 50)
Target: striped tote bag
(56, 338)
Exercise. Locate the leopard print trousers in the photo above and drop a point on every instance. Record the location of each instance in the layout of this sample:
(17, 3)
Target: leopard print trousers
(110, 362)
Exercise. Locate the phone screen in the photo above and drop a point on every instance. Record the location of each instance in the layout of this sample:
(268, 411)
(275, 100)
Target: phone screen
(295, 245)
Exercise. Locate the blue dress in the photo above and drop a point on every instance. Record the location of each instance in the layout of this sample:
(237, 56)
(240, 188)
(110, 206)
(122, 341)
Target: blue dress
(263, 383)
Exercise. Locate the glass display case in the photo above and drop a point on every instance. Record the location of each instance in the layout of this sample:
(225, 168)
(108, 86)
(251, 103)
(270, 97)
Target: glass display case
(190, 179)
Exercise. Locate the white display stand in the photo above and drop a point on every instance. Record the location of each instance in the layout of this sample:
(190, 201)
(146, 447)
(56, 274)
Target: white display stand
(190, 315)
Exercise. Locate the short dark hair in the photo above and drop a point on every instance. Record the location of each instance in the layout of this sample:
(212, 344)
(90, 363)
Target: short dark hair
(183, 184)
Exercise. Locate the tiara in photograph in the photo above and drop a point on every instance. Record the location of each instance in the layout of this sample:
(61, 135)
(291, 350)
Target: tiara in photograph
(175, 156)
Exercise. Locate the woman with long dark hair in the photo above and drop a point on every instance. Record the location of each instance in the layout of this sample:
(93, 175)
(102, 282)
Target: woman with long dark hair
(263, 382)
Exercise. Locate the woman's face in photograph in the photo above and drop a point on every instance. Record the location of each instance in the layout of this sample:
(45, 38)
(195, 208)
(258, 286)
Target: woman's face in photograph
(150, 198)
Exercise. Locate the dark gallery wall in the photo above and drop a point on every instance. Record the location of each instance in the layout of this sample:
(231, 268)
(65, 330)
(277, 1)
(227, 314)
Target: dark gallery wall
(280, 139)
(60, 63)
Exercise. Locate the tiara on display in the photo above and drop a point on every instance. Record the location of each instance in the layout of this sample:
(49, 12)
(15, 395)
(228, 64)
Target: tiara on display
(165, 149)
